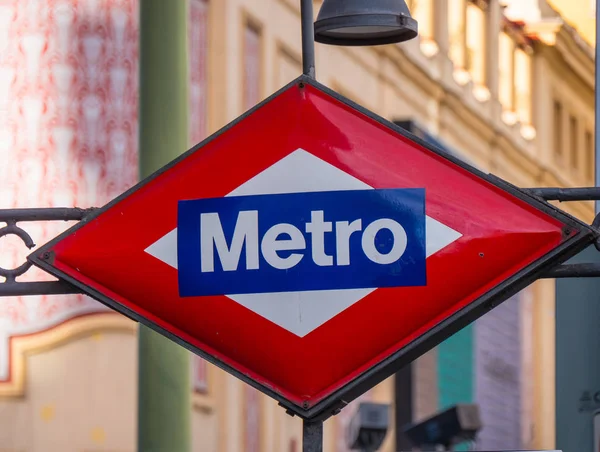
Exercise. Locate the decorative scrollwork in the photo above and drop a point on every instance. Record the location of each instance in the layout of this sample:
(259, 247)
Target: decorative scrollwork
(10, 287)
(12, 229)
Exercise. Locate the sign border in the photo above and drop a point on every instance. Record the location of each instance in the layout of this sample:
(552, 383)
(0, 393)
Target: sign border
(333, 403)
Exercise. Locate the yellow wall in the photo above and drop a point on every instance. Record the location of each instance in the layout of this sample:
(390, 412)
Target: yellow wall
(579, 14)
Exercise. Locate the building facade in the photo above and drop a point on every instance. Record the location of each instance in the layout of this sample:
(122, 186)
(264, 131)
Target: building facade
(505, 85)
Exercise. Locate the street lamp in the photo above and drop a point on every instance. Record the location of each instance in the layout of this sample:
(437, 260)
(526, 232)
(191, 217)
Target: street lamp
(354, 23)
(364, 23)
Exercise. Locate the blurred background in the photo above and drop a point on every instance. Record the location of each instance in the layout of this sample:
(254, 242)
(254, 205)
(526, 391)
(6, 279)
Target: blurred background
(508, 86)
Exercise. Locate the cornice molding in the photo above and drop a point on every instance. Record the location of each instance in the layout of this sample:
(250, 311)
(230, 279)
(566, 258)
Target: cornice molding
(75, 328)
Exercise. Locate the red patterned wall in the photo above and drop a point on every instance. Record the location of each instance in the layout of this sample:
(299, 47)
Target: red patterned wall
(68, 128)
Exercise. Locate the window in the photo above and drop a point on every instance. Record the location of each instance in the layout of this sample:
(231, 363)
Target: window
(252, 62)
(422, 12)
(589, 155)
(573, 142)
(199, 374)
(522, 84)
(252, 431)
(293, 445)
(467, 39)
(506, 68)
(558, 129)
(456, 30)
(198, 69)
(514, 83)
(475, 52)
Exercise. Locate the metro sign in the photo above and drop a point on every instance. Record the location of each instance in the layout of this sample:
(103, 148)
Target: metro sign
(275, 231)
(312, 248)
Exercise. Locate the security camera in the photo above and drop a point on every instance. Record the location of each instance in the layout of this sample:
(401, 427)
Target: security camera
(456, 424)
(368, 427)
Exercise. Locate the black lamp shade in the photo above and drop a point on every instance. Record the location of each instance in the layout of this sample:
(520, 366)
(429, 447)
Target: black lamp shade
(364, 22)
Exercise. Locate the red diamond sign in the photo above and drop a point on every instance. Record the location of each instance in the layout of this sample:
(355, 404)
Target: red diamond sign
(311, 248)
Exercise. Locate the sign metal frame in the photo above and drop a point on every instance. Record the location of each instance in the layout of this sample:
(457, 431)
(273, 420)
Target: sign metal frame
(332, 404)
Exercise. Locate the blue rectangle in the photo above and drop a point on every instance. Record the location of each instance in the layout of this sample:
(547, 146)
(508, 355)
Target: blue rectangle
(301, 241)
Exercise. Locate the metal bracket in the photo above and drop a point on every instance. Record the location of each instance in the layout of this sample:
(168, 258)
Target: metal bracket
(590, 270)
(567, 194)
(574, 271)
(11, 287)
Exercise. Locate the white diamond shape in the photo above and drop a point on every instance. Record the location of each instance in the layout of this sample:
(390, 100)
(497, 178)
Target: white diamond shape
(302, 312)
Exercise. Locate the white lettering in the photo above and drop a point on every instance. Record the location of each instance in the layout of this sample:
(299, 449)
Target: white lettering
(317, 227)
(398, 248)
(245, 237)
(211, 233)
(271, 244)
(343, 231)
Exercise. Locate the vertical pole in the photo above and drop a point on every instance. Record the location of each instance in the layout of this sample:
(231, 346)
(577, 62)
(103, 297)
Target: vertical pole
(578, 333)
(312, 436)
(164, 406)
(308, 38)
(597, 105)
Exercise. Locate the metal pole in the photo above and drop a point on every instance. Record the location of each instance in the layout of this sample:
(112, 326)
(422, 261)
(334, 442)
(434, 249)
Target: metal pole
(164, 390)
(19, 289)
(308, 38)
(45, 214)
(312, 436)
(567, 194)
(577, 332)
(597, 105)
